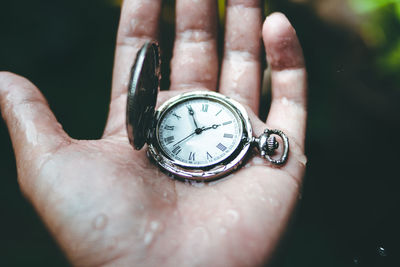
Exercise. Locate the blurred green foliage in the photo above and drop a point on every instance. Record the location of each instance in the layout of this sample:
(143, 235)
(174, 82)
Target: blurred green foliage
(380, 28)
(365, 6)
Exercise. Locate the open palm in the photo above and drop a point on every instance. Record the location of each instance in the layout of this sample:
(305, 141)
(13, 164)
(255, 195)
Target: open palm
(107, 204)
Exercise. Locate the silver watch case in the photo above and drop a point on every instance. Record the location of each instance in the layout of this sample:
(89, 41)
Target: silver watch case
(142, 122)
(211, 172)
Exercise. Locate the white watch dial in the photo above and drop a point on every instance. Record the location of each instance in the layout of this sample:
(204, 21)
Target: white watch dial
(199, 132)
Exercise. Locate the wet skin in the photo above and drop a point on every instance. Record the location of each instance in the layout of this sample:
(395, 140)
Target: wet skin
(108, 205)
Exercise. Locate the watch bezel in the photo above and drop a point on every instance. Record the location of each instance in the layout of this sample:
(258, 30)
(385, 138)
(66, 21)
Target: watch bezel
(213, 171)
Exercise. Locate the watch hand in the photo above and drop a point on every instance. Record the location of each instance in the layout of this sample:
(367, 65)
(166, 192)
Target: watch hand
(191, 113)
(214, 126)
(184, 139)
(197, 131)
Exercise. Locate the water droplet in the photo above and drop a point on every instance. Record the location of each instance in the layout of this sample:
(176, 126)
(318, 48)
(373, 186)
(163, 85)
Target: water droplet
(199, 235)
(148, 237)
(273, 202)
(208, 76)
(382, 251)
(133, 23)
(31, 133)
(303, 160)
(233, 215)
(220, 180)
(113, 243)
(257, 161)
(152, 228)
(222, 230)
(154, 225)
(197, 184)
(100, 222)
(300, 196)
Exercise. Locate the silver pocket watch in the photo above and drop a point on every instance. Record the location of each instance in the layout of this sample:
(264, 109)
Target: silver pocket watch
(199, 135)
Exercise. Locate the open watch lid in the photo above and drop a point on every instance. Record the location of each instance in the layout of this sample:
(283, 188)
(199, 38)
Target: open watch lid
(142, 94)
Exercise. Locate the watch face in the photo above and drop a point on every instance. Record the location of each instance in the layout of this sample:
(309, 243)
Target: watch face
(199, 131)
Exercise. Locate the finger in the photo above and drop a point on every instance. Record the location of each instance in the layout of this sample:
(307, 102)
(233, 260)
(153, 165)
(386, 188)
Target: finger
(288, 77)
(195, 58)
(241, 74)
(138, 23)
(32, 126)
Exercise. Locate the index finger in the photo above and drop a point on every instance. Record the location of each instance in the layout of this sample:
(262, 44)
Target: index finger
(138, 24)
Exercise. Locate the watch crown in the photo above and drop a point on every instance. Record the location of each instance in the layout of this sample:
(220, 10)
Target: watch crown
(272, 143)
(267, 145)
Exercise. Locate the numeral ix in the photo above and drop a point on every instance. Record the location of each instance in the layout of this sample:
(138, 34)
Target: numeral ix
(221, 147)
(168, 140)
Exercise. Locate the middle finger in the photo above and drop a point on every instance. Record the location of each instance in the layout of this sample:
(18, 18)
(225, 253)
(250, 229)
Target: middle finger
(241, 74)
(195, 59)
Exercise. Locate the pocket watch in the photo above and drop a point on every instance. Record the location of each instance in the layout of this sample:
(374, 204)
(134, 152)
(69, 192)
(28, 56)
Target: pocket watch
(199, 135)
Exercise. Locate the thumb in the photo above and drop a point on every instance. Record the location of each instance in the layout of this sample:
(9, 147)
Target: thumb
(33, 128)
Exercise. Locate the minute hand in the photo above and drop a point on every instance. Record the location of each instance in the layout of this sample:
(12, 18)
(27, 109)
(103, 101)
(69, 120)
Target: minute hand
(198, 131)
(184, 139)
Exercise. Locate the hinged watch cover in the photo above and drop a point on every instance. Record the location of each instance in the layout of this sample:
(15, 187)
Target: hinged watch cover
(142, 94)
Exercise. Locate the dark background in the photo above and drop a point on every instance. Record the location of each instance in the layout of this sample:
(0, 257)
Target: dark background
(349, 212)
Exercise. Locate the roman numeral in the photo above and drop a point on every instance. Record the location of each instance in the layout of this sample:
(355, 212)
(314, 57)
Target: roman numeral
(221, 147)
(228, 135)
(204, 107)
(189, 107)
(227, 122)
(209, 156)
(192, 156)
(176, 150)
(176, 115)
(169, 139)
(170, 128)
(218, 112)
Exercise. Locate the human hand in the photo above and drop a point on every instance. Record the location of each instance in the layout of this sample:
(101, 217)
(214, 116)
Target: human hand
(106, 204)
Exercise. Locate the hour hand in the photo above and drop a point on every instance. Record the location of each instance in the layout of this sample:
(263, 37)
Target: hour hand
(191, 113)
(214, 126)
